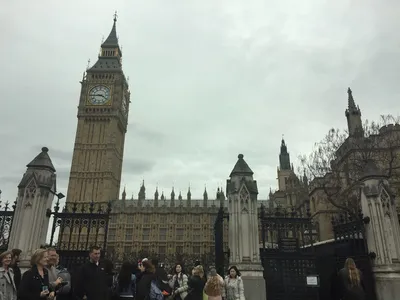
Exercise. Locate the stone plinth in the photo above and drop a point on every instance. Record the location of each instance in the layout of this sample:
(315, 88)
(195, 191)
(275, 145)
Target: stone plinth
(253, 281)
(35, 196)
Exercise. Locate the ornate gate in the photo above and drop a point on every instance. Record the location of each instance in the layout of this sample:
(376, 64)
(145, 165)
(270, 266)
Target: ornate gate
(221, 256)
(6, 221)
(78, 227)
(287, 238)
(349, 242)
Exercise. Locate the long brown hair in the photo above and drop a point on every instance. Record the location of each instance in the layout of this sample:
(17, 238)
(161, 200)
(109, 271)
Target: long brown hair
(148, 266)
(213, 286)
(354, 273)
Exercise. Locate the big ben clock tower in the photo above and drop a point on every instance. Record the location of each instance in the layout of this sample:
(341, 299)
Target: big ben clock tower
(102, 123)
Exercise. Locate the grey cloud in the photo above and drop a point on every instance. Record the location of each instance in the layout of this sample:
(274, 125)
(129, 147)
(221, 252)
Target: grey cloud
(137, 165)
(208, 80)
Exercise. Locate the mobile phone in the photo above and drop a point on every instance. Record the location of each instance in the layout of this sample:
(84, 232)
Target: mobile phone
(45, 288)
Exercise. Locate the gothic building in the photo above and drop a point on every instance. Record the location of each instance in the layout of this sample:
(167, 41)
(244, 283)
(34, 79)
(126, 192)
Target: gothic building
(102, 123)
(292, 190)
(380, 145)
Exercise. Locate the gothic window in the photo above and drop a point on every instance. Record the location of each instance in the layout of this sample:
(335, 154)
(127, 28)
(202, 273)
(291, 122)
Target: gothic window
(145, 250)
(146, 234)
(196, 219)
(129, 234)
(212, 220)
(162, 250)
(196, 235)
(146, 219)
(179, 234)
(244, 195)
(127, 249)
(111, 234)
(196, 250)
(30, 190)
(163, 234)
(179, 249)
(113, 221)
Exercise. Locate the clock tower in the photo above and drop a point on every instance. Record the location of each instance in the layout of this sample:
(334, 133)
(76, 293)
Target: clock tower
(102, 123)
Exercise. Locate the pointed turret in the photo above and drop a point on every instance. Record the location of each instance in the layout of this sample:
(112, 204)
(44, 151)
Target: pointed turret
(162, 195)
(189, 197)
(124, 194)
(241, 168)
(205, 194)
(112, 39)
(110, 56)
(156, 194)
(142, 192)
(180, 196)
(156, 198)
(173, 194)
(40, 165)
(172, 203)
(353, 115)
(284, 157)
(42, 161)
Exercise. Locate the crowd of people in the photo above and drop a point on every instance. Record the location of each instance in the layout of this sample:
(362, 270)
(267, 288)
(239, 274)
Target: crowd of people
(142, 280)
(96, 279)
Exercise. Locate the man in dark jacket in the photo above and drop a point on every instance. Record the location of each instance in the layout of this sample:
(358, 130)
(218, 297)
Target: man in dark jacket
(91, 279)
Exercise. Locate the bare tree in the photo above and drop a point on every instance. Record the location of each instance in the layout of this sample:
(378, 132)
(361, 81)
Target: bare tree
(339, 161)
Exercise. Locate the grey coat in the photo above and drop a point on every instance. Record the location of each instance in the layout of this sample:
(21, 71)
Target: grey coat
(7, 285)
(183, 285)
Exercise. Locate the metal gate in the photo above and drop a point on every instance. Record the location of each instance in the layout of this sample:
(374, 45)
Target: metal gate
(221, 256)
(77, 228)
(6, 220)
(287, 238)
(349, 242)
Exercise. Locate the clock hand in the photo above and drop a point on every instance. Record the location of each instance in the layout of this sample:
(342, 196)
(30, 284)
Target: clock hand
(98, 95)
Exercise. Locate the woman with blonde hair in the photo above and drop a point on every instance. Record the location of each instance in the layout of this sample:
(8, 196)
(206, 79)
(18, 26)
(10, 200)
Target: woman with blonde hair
(196, 284)
(214, 286)
(35, 283)
(351, 281)
(8, 290)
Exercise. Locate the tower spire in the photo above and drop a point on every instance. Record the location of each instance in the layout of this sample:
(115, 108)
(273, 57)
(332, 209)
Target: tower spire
(353, 115)
(112, 39)
(351, 103)
(110, 57)
(284, 157)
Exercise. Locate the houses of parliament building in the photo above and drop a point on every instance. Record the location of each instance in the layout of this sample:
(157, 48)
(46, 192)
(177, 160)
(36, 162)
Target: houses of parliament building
(165, 224)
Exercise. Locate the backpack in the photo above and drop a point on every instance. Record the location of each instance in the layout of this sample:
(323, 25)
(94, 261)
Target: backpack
(155, 292)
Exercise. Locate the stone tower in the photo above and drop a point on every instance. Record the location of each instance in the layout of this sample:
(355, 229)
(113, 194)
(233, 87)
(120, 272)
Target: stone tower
(284, 169)
(244, 244)
(35, 195)
(102, 123)
(353, 115)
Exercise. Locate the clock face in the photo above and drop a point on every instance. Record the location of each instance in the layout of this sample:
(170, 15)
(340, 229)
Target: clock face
(99, 95)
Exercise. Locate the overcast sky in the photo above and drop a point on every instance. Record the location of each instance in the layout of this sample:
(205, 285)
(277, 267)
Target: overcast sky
(209, 80)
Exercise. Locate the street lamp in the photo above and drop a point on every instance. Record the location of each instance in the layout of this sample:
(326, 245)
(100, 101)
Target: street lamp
(58, 195)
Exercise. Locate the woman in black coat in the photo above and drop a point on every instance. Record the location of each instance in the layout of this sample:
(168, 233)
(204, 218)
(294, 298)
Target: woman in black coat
(143, 283)
(196, 284)
(351, 285)
(35, 282)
